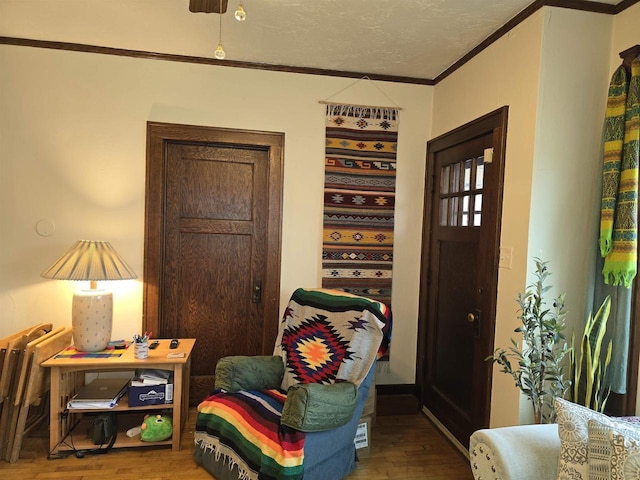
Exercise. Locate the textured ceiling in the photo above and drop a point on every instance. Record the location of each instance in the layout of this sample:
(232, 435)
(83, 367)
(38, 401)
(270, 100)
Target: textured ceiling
(409, 38)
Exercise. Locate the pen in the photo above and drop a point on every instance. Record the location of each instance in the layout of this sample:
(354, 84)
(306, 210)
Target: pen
(142, 338)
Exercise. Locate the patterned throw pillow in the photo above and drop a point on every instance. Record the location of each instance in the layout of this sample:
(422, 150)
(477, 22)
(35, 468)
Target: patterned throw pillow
(625, 452)
(573, 420)
(600, 447)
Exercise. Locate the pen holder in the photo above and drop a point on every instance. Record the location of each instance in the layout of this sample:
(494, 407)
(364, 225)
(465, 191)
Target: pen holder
(141, 350)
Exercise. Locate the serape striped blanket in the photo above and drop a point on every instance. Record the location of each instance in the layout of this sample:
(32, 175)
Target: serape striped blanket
(325, 336)
(244, 428)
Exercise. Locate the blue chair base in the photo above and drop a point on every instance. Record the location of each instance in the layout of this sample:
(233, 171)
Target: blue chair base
(328, 455)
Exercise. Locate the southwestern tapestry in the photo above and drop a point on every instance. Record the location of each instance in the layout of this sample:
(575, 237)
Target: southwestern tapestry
(359, 200)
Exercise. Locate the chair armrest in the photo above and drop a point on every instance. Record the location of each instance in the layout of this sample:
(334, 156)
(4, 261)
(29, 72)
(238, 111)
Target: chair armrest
(525, 452)
(315, 407)
(249, 373)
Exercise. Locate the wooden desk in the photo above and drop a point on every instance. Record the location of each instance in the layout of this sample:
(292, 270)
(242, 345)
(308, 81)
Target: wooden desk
(67, 376)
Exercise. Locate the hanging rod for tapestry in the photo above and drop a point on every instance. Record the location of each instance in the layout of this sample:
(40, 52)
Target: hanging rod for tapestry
(629, 55)
(326, 101)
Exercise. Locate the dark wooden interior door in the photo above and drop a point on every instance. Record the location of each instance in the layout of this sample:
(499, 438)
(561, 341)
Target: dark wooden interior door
(212, 256)
(460, 273)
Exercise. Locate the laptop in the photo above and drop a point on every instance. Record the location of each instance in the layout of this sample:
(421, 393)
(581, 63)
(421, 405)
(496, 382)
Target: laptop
(102, 390)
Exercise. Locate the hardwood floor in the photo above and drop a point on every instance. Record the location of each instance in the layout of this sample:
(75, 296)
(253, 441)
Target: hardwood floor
(408, 447)
(403, 447)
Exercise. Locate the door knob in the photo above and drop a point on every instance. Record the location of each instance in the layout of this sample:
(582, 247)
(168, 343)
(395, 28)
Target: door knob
(475, 319)
(256, 294)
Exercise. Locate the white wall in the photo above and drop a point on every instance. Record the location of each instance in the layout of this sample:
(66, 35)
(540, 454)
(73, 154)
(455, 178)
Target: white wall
(568, 155)
(73, 136)
(506, 73)
(565, 203)
(568, 149)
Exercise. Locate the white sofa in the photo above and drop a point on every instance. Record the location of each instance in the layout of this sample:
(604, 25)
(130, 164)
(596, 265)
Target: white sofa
(583, 445)
(526, 452)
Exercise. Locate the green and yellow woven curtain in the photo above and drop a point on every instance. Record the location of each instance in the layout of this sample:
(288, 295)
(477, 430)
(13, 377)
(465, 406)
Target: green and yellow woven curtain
(359, 200)
(619, 210)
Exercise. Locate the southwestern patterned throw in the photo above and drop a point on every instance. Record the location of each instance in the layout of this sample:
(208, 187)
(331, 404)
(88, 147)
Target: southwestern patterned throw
(324, 337)
(328, 336)
(359, 200)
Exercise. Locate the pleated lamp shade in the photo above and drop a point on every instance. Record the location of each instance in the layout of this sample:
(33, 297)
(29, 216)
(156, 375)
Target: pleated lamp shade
(92, 310)
(90, 260)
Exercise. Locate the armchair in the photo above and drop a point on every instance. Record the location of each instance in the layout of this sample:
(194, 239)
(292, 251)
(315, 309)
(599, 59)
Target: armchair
(295, 414)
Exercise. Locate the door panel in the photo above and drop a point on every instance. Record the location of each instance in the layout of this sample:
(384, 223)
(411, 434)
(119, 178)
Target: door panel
(214, 185)
(453, 333)
(207, 303)
(216, 199)
(459, 273)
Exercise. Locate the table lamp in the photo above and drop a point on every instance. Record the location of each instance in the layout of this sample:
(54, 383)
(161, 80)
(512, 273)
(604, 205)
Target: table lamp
(92, 310)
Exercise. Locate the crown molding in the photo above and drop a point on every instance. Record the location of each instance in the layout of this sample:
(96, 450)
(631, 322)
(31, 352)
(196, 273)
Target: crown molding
(583, 5)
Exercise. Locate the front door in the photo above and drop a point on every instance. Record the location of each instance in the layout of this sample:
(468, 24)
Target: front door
(460, 272)
(212, 244)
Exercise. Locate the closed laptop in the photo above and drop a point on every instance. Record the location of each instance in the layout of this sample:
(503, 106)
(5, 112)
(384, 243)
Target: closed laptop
(102, 389)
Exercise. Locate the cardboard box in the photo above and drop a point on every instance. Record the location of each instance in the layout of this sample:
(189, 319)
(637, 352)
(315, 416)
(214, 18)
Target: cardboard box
(370, 404)
(150, 395)
(363, 437)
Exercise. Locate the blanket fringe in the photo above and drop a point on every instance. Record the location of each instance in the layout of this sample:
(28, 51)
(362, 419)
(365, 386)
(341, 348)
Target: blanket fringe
(366, 111)
(383, 367)
(228, 456)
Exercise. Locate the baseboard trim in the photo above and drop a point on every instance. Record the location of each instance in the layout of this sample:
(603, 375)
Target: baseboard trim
(445, 432)
(398, 389)
(397, 400)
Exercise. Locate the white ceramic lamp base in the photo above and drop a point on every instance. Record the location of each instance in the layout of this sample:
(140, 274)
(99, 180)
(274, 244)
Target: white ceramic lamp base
(91, 317)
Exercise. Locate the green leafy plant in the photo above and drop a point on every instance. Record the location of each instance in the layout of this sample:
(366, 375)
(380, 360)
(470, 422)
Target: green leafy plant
(539, 373)
(591, 391)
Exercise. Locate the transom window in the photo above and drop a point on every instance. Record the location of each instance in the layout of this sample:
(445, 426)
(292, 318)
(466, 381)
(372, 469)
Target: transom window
(461, 193)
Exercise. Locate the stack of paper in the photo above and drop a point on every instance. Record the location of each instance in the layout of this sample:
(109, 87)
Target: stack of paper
(148, 377)
(100, 393)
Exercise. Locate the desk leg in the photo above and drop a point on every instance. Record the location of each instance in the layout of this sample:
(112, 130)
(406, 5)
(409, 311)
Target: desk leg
(54, 409)
(177, 407)
(186, 379)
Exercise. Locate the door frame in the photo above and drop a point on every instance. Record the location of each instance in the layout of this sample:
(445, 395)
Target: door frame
(495, 122)
(158, 136)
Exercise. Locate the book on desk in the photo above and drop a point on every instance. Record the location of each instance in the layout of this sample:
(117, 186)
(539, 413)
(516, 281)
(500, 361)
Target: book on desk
(145, 377)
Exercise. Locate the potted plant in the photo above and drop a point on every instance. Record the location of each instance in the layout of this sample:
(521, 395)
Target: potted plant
(538, 370)
(591, 391)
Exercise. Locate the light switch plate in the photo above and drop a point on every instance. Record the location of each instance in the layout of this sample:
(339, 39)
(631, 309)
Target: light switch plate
(506, 257)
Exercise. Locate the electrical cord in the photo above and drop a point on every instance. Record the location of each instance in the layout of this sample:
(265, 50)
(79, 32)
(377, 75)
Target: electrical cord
(83, 452)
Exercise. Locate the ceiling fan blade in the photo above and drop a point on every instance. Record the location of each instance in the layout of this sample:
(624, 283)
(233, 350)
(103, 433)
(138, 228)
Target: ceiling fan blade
(208, 6)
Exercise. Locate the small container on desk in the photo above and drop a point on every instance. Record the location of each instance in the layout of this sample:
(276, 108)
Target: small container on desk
(141, 350)
(141, 346)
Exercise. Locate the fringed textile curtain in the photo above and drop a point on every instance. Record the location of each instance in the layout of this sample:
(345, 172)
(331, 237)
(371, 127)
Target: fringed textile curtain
(619, 213)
